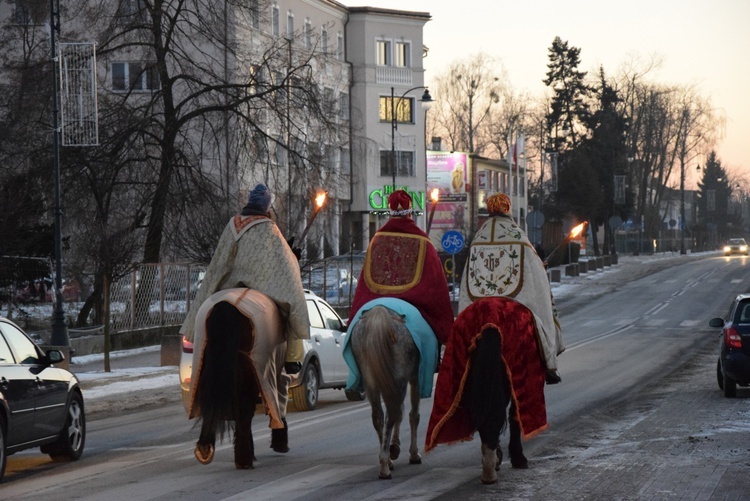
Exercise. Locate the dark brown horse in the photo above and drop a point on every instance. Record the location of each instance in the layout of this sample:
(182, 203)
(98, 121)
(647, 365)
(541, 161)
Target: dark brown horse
(491, 377)
(237, 368)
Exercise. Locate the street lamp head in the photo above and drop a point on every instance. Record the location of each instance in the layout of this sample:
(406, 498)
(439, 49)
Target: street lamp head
(426, 100)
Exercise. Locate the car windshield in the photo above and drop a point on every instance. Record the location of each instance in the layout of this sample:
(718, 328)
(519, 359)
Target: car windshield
(736, 241)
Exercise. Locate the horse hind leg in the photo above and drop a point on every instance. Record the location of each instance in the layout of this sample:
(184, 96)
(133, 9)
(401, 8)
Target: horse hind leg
(205, 448)
(414, 457)
(515, 447)
(247, 393)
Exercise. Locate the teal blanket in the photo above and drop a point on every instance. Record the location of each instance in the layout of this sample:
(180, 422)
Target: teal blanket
(420, 331)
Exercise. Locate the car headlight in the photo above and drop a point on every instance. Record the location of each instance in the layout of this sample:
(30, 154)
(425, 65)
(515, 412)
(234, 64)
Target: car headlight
(727, 248)
(743, 248)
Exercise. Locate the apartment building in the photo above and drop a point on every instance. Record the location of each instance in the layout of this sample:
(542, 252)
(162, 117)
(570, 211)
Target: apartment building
(362, 66)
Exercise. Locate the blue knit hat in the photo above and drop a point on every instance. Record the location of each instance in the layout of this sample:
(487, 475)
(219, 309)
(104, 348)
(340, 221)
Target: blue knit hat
(260, 198)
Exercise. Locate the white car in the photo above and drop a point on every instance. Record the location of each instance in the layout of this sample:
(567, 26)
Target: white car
(323, 366)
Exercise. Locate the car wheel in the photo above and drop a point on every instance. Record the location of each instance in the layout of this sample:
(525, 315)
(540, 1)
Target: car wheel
(3, 456)
(305, 396)
(354, 395)
(719, 375)
(730, 387)
(69, 445)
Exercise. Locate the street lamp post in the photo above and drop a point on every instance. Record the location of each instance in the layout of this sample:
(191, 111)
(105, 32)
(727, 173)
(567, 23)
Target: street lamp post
(682, 208)
(59, 335)
(426, 101)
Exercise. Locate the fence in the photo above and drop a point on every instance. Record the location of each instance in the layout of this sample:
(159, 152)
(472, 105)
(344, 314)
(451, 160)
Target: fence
(152, 295)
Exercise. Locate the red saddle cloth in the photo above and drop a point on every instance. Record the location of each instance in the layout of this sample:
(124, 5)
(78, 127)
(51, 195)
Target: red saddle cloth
(450, 421)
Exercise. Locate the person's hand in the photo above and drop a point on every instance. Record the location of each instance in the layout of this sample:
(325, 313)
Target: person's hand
(297, 251)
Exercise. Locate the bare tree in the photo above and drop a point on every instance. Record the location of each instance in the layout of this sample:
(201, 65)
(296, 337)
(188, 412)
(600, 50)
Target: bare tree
(469, 93)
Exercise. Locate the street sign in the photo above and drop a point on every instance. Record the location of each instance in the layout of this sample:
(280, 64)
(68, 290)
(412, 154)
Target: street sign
(453, 242)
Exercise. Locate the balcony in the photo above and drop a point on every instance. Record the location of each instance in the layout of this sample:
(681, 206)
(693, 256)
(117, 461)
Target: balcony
(393, 75)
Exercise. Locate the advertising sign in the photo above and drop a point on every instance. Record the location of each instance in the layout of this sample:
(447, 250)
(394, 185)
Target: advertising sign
(449, 173)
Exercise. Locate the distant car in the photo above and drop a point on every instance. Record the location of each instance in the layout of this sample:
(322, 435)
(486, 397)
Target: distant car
(40, 405)
(736, 246)
(323, 366)
(733, 365)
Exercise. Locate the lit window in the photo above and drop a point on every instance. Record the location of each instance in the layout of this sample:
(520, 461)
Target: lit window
(404, 109)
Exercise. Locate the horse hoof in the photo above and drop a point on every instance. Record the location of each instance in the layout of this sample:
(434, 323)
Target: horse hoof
(489, 481)
(282, 449)
(519, 462)
(383, 476)
(204, 453)
(395, 451)
(244, 466)
(415, 459)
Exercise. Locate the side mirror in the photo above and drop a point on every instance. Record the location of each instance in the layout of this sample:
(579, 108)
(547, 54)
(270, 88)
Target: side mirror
(716, 322)
(55, 356)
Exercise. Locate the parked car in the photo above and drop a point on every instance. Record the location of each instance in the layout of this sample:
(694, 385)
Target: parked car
(338, 283)
(323, 366)
(733, 365)
(40, 405)
(736, 246)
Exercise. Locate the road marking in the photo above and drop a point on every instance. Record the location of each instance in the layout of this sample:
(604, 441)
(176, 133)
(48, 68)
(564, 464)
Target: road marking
(689, 323)
(656, 322)
(429, 485)
(299, 484)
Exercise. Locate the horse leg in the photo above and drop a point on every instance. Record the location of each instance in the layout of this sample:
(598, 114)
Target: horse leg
(392, 420)
(205, 448)
(414, 457)
(247, 393)
(515, 447)
(489, 464)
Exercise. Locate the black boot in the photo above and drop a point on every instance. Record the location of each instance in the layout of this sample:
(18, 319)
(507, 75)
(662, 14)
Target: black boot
(280, 438)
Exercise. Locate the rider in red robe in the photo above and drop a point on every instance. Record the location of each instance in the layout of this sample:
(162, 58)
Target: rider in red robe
(401, 262)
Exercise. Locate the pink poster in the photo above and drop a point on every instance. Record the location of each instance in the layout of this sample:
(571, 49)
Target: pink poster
(448, 172)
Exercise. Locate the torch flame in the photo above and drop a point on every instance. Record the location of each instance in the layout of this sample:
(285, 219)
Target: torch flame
(320, 200)
(435, 195)
(577, 230)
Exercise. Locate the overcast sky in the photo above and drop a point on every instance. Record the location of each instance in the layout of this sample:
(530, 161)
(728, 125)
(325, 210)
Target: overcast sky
(700, 43)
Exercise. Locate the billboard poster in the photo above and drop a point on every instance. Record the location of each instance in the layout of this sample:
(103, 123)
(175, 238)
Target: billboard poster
(449, 173)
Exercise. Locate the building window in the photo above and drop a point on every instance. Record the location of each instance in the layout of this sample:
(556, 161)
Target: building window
(275, 29)
(403, 54)
(344, 105)
(130, 11)
(340, 47)
(383, 52)
(308, 34)
(254, 14)
(280, 151)
(404, 109)
(135, 77)
(289, 25)
(324, 40)
(404, 163)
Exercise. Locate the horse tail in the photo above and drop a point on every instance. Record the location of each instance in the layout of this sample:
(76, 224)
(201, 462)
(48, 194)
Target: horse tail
(490, 392)
(219, 376)
(379, 340)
